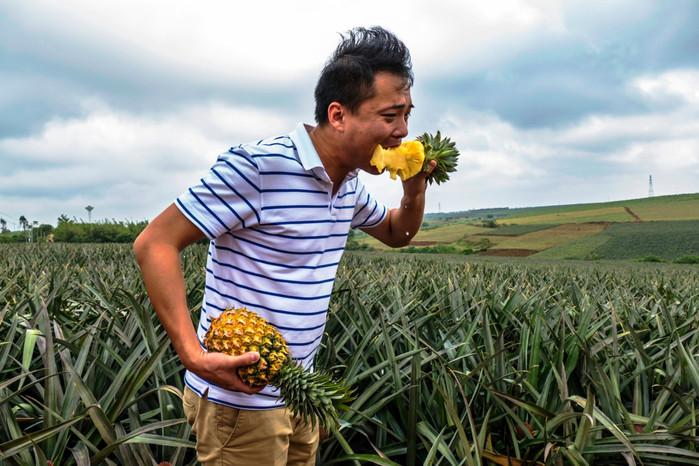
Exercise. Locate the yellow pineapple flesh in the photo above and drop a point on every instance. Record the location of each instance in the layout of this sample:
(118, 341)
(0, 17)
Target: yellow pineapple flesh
(405, 160)
(413, 157)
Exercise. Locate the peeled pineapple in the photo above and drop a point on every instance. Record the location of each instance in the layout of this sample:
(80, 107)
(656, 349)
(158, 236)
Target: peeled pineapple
(405, 160)
(312, 395)
(413, 157)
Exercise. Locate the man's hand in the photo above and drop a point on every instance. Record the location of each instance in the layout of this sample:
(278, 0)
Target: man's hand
(402, 224)
(222, 369)
(417, 184)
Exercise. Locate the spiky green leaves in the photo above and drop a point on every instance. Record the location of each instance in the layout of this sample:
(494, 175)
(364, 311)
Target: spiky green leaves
(441, 150)
(314, 396)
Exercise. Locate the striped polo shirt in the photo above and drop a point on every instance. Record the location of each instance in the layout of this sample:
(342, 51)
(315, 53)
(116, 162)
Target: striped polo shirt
(277, 235)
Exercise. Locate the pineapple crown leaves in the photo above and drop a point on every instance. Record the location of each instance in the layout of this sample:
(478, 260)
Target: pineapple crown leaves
(441, 150)
(314, 396)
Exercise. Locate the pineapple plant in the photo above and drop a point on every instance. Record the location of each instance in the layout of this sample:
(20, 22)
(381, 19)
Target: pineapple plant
(315, 396)
(413, 157)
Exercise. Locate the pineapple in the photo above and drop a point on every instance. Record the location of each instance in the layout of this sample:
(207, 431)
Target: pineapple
(413, 157)
(405, 160)
(312, 395)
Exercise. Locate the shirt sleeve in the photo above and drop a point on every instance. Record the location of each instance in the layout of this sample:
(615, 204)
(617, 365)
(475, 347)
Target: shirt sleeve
(227, 198)
(368, 212)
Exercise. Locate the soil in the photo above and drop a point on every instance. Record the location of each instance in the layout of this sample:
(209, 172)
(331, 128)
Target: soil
(637, 219)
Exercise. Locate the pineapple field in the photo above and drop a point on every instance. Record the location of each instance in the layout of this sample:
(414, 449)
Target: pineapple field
(463, 362)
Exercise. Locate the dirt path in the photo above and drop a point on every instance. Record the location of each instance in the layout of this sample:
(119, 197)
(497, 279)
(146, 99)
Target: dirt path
(637, 219)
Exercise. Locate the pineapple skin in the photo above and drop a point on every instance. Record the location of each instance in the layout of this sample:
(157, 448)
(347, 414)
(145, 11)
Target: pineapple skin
(314, 396)
(238, 331)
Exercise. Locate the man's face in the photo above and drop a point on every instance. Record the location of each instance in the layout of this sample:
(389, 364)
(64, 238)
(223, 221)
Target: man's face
(381, 119)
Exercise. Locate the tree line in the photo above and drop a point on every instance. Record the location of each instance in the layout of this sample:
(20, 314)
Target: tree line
(72, 231)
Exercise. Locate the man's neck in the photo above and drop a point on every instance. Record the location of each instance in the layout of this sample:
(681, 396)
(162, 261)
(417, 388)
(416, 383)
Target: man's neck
(328, 150)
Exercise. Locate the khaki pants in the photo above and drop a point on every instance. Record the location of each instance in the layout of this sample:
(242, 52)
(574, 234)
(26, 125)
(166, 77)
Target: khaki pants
(236, 437)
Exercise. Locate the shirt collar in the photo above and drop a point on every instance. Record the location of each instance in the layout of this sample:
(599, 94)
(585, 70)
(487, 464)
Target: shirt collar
(308, 156)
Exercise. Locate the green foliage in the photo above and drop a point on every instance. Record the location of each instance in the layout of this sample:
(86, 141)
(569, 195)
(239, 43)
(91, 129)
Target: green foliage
(689, 211)
(650, 259)
(13, 237)
(86, 370)
(467, 214)
(444, 152)
(38, 234)
(114, 231)
(353, 244)
(666, 240)
(555, 364)
(438, 249)
(517, 230)
(688, 260)
(581, 248)
(452, 362)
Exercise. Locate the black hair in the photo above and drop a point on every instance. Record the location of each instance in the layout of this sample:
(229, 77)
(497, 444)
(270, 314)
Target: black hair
(348, 76)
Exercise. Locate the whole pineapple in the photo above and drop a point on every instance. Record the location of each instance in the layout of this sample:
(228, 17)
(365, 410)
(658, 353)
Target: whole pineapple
(413, 157)
(312, 395)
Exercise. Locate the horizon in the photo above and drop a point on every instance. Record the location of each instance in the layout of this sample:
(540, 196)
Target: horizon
(131, 220)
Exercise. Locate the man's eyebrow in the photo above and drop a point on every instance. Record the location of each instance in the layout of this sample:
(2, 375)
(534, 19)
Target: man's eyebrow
(396, 107)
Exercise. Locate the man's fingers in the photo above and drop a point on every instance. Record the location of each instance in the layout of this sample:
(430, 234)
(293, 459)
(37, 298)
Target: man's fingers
(222, 369)
(433, 165)
(245, 359)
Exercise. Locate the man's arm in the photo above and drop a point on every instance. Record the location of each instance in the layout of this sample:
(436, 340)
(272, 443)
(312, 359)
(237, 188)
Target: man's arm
(401, 224)
(157, 251)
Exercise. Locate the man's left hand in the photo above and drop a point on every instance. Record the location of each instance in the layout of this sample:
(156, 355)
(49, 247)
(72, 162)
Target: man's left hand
(418, 184)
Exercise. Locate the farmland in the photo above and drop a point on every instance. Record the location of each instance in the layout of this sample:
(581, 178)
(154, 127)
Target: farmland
(453, 361)
(664, 240)
(665, 228)
(674, 207)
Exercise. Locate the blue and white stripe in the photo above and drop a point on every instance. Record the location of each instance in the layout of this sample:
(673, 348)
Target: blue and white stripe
(277, 236)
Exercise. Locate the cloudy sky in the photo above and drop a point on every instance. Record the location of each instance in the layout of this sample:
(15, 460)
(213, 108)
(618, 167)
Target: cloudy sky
(123, 104)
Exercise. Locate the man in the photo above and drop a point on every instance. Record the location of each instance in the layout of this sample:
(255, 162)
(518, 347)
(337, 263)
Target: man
(278, 213)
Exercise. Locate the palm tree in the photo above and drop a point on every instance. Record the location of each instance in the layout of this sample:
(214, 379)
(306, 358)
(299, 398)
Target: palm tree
(24, 223)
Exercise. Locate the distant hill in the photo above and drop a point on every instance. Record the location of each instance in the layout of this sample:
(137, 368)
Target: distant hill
(662, 228)
(673, 207)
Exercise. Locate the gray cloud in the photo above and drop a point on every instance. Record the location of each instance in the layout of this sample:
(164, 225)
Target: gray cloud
(48, 73)
(558, 77)
(549, 101)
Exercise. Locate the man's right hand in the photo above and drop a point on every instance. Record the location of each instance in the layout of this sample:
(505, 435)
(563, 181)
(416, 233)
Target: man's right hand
(157, 251)
(222, 369)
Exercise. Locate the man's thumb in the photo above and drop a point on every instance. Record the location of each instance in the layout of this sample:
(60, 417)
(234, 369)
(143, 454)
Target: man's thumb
(246, 359)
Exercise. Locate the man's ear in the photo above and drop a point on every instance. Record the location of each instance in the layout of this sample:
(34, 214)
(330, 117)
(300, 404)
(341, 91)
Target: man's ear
(336, 116)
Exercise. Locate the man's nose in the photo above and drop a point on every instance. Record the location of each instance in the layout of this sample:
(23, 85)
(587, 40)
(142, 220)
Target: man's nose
(402, 129)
